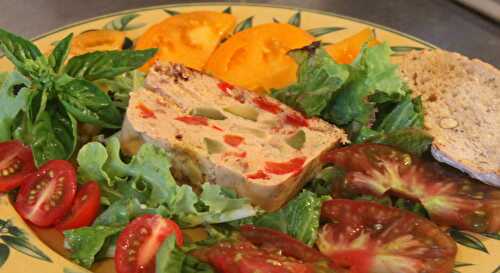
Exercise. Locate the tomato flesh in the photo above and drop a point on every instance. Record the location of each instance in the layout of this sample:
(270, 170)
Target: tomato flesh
(280, 168)
(47, 195)
(137, 245)
(288, 246)
(16, 164)
(85, 207)
(450, 197)
(244, 257)
(367, 237)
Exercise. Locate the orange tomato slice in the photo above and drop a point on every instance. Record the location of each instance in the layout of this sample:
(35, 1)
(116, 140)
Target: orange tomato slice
(257, 58)
(345, 51)
(97, 40)
(187, 38)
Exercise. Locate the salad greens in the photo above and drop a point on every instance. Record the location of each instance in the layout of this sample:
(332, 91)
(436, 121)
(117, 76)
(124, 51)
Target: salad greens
(55, 96)
(144, 185)
(171, 259)
(299, 218)
(88, 241)
(367, 97)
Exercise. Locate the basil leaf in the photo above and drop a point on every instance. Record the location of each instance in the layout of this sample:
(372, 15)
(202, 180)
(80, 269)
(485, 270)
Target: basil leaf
(18, 49)
(54, 135)
(87, 103)
(107, 64)
(60, 53)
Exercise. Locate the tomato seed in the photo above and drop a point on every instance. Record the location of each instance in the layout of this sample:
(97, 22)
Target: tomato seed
(143, 231)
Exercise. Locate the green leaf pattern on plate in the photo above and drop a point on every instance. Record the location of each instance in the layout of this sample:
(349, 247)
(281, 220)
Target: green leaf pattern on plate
(247, 23)
(295, 19)
(467, 240)
(13, 237)
(460, 264)
(320, 31)
(171, 12)
(123, 23)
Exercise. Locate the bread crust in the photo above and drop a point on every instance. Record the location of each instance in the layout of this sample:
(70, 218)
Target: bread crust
(461, 99)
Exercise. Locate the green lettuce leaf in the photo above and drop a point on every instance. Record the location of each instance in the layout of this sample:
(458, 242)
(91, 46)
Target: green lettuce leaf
(299, 218)
(169, 259)
(411, 140)
(319, 78)
(371, 74)
(86, 242)
(147, 179)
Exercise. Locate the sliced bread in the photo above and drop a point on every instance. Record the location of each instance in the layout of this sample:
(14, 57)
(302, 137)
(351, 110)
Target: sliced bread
(461, 99)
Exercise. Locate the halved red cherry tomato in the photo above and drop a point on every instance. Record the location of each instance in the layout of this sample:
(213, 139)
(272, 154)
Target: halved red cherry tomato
(47, 195)
(85, 207)
(16, 164)
(293, 165)
(138, 243)
(233, 140)
(367, 237)
(450, 197)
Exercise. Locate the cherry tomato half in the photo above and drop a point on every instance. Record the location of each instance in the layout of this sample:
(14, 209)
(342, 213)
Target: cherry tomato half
(16, 164)
(137, 245)
(367, 237)
(47, 195)
(85, 207)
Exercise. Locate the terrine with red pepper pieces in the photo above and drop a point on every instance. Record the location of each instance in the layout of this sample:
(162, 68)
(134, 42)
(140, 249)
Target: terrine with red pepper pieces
(226, 135)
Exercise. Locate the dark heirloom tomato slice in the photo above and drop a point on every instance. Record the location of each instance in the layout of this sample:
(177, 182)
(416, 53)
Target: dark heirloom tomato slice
(138, 243)
(265, 250)
(16, 163)
(46, 196)
(288, 246)
(85, 207)
(450, 197)
(371, 238)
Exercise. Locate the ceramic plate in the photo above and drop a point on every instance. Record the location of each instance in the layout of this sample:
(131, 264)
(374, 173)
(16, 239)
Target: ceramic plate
(29, 249)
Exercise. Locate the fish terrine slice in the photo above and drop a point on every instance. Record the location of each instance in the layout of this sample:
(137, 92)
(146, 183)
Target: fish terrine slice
(225, 135)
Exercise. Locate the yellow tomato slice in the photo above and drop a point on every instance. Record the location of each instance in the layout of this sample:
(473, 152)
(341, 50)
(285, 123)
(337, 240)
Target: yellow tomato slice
(345, 51)
(257, 58)
(187, 38)
(97, 40)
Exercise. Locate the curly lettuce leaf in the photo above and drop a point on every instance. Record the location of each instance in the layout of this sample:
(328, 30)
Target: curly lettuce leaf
(147, 178)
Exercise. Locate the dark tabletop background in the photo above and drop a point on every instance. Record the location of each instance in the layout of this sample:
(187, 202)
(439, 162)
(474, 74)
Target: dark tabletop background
(441, 22)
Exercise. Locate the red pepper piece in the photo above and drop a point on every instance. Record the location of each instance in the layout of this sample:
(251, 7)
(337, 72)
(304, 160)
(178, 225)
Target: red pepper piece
(293, 165)
(193, 120)
(267, 105)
